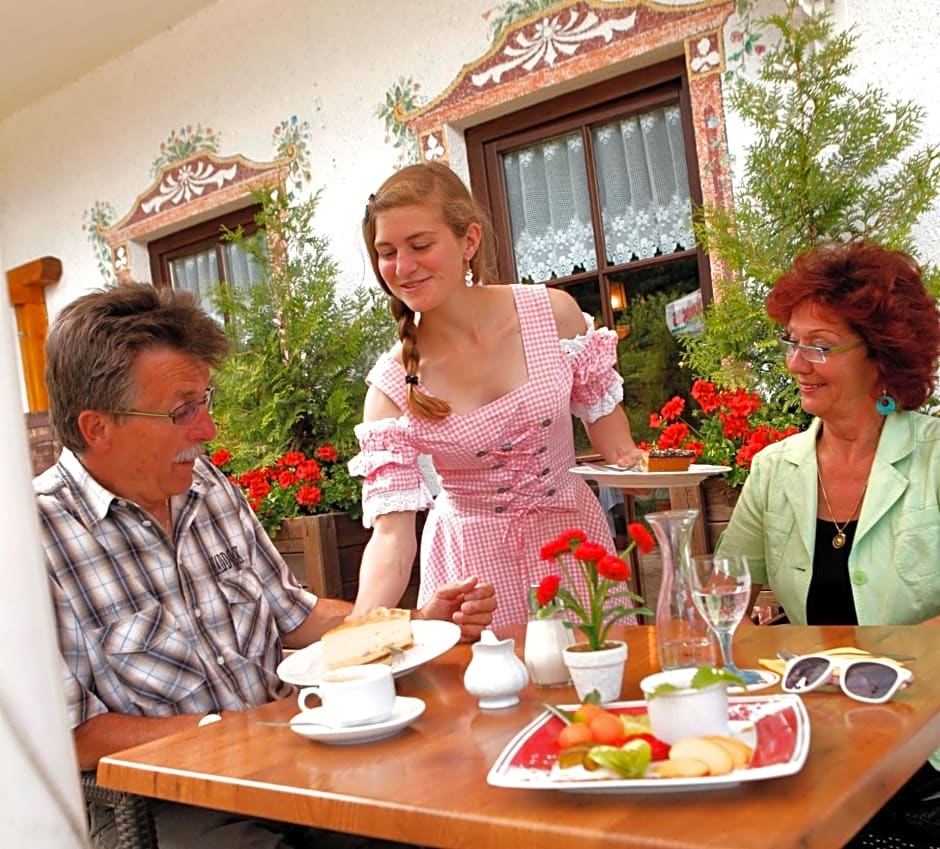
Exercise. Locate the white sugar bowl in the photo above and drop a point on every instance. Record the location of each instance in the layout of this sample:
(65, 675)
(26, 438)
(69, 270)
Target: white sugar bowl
(495, 675)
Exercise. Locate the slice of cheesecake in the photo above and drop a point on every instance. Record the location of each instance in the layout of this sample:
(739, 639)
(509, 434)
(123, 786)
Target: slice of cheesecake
(367, 638)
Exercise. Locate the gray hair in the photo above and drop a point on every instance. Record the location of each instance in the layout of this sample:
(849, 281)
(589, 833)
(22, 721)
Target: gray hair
(96, 339)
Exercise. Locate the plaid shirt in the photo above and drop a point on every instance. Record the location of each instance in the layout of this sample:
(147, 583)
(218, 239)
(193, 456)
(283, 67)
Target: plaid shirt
(156, 627)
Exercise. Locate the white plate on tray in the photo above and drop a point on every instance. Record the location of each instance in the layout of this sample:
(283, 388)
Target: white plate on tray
(432, 638)
(615, 476)
(776, 727)
(406, 711)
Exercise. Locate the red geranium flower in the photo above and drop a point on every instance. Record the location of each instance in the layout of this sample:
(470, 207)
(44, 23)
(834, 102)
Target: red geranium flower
(732, 425)
(295, 485)
(327, 453)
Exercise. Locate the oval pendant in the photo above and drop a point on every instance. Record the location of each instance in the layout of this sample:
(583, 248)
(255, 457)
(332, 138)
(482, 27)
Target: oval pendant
(838, 540)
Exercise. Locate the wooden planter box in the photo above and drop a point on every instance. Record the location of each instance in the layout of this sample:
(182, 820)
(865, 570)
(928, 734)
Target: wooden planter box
(718, 504)
(325, 551)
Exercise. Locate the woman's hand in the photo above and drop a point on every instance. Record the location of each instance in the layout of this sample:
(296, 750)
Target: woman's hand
(630, 458)
(468, 603)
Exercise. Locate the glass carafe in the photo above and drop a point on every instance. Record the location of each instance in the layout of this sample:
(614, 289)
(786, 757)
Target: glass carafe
(683, 638)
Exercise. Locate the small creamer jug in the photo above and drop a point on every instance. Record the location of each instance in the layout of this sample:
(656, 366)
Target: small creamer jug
(495, 675)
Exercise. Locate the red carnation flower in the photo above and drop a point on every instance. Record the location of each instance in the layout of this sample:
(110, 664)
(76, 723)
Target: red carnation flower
(548, 589)
(553, 549)
(642, 537)
(590, 552)
(613, 568)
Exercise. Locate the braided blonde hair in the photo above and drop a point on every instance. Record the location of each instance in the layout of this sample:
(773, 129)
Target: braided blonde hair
(419, 184)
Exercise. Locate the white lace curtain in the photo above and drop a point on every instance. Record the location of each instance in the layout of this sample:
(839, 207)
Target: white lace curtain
(199, 273)
(643, 189)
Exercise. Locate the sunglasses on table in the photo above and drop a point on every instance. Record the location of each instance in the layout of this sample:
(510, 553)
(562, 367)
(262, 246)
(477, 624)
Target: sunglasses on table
(865, 679)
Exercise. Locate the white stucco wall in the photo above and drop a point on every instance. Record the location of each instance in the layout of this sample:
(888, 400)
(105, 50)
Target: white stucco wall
(240, 68)
(243, 66)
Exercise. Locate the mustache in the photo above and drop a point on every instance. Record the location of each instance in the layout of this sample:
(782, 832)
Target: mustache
(190, 453)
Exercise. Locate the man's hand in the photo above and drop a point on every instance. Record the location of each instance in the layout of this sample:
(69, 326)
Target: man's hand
(469, 603)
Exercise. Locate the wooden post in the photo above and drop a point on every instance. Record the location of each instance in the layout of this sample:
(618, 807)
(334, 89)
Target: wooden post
(690, 498)
(26, 284)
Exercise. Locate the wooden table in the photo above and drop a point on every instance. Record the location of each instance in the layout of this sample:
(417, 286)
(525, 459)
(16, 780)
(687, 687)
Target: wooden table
(428, 785)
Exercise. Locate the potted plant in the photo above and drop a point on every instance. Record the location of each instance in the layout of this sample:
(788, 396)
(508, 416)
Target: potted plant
(730, 426)
(593, 597)
(300, 350)
(293, 388)
(295, 485)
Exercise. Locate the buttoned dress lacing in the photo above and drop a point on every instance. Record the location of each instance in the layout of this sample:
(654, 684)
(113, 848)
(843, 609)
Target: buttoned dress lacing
(506, 488)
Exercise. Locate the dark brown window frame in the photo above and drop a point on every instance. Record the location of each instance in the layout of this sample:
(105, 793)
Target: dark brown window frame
(637, 91)
(197, 238)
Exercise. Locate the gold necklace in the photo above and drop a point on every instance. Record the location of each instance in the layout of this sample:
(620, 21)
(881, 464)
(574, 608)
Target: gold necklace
(839, 539)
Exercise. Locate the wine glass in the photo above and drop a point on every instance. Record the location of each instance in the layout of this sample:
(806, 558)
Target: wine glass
(721, 590)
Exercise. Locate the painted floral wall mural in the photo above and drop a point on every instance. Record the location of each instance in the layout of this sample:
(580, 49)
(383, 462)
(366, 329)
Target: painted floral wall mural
(188, 168)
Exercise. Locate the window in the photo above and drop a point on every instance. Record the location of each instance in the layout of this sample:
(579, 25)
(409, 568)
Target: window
(198, 259)
(593, 191)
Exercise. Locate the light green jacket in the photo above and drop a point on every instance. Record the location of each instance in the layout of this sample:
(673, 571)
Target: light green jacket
(895, 560)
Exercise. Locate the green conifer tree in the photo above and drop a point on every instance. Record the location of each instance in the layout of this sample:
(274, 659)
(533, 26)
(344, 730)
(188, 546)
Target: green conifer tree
(827, 162)
(296, 377)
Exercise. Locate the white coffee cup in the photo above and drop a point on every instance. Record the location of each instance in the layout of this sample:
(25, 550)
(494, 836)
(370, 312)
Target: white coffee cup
(354, 695)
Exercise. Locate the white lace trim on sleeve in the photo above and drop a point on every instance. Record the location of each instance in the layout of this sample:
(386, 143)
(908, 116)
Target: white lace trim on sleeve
(400, 501)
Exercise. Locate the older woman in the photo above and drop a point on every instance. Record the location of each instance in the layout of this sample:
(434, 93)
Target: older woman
(843, 520)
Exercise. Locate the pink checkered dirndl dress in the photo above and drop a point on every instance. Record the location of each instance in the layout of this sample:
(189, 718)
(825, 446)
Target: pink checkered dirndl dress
(505, 485)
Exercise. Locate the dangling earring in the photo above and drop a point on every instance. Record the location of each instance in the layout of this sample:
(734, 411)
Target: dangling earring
(468, 276)
(886, 404)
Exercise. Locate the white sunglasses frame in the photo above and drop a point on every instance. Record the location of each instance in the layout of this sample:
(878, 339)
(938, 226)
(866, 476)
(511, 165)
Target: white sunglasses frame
(842, 665)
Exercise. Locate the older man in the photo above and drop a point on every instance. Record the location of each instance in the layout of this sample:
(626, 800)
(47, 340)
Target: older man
(172, 605)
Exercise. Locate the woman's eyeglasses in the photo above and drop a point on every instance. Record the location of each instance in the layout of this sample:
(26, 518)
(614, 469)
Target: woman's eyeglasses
(182, 415)
(814, 353)
(864, 679)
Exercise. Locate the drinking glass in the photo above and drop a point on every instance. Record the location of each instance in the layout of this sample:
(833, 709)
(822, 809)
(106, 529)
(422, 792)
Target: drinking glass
(721, 589)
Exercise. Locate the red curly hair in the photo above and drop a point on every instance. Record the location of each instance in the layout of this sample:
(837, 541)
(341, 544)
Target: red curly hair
(880, 294)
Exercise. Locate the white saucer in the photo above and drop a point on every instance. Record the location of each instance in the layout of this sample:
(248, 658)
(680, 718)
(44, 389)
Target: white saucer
(767, 679)
(406, 711)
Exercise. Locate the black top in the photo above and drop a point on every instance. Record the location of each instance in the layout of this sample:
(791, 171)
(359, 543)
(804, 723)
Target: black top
(830, 600)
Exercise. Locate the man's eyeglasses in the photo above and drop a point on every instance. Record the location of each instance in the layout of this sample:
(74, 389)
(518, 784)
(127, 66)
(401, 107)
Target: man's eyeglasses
(182, 415)
(864, 679)
(814, 353)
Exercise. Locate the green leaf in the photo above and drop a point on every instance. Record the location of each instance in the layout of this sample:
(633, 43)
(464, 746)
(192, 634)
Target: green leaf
(592, 698)
(705, 676)
(631, 760)
(565, 716)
